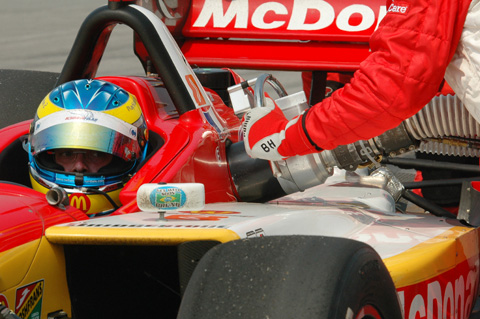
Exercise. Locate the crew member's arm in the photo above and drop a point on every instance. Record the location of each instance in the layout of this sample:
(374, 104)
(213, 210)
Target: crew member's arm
(410, 52)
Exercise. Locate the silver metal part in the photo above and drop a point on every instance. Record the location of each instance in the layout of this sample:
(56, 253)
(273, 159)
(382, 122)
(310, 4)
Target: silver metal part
(293, 104)
(393, 185)
(242, 99)
(443, 116)
(57, 196)
(469, 209)
(259, 95)
(301, 172)
(444, 126)
(444, 121)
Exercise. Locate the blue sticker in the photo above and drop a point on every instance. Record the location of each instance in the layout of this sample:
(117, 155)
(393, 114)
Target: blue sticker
(167, 198)
(212, 122)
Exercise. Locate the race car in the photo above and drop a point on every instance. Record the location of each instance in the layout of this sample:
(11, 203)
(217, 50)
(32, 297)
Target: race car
(204, 231)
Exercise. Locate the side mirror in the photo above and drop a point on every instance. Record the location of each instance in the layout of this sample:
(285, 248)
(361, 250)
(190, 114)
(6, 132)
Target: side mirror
(167, 197)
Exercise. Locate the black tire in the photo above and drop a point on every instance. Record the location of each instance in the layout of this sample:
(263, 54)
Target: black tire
(21, 93)
(291, 277)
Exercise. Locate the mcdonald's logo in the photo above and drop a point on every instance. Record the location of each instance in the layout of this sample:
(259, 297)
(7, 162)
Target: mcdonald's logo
(80, 201)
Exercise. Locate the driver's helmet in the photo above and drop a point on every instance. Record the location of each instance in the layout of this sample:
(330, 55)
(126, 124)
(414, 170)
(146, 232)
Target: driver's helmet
(96, 119)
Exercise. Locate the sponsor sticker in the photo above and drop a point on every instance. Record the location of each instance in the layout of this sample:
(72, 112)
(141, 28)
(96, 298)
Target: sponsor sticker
(332, 18)
(448, 295)
(259, 232)
(196, 92)
(168, 197)
(80, 201)
(85, 116)
(28, 303)
(398, 7)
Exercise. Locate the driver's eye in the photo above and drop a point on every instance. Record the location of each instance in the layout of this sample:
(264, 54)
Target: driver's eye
(96, 154)
(66, 154)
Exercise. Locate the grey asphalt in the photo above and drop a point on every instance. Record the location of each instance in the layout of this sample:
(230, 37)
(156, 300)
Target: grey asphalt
(38, 35)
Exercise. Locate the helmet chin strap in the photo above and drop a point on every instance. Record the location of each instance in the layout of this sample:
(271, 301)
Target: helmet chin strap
(79, 179)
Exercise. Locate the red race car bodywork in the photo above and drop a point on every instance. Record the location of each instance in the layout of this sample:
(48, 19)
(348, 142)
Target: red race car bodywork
(55, 262)
(286, 35)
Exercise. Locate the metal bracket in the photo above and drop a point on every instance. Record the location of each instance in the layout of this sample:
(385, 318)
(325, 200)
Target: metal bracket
(469, 208)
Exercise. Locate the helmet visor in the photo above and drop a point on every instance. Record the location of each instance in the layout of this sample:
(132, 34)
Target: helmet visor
(86, 130)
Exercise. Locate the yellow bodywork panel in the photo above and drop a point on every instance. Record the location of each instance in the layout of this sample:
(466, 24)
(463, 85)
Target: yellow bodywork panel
(14, 264)
(434, 256)
(134, 236)
(45, 279)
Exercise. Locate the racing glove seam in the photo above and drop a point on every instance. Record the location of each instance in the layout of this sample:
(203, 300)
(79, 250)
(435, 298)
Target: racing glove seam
(304, 127)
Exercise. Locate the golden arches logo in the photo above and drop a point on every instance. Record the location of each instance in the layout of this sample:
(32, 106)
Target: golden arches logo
(80, 201)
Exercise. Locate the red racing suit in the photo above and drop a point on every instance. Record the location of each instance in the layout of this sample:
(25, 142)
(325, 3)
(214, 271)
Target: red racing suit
(410, 52)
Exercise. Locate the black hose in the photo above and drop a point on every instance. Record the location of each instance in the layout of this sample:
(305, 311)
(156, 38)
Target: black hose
(438, 182)
(111, 201)
(422, 163)
(434, 209)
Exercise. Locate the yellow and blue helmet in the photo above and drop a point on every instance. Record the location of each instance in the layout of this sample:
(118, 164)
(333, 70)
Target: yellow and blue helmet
(90, 116)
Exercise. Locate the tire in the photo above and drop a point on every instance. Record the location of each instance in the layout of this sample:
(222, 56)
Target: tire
(21, 93)
(291, 277)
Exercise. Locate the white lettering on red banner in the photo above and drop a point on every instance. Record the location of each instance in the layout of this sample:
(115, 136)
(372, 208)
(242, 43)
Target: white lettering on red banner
(399, 8)
(303, 15)
(449, 295)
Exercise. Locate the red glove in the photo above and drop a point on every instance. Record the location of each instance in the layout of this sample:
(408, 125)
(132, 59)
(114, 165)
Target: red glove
(269, 135)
